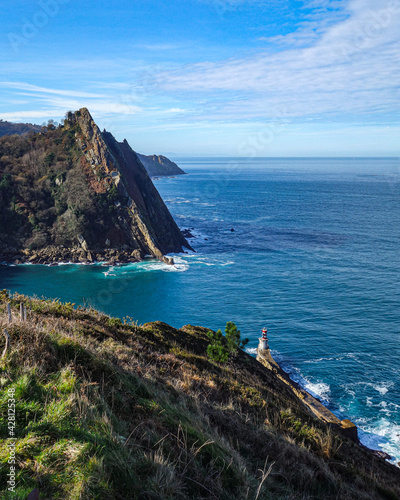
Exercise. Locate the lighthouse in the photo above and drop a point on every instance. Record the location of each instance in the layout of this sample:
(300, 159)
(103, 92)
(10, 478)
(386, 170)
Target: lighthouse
(263, 340)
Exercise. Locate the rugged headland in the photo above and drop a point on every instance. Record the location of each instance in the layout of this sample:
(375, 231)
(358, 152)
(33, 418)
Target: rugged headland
(160, 166)
(74, 194)
(108, 409)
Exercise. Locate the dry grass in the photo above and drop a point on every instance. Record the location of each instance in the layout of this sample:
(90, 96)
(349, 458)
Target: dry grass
(110, 410)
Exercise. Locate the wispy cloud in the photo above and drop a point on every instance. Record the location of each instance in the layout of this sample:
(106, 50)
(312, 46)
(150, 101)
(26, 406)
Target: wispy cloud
(55, 102)
(339, 62)
(45, 90)
(352, 67)
(36, 114)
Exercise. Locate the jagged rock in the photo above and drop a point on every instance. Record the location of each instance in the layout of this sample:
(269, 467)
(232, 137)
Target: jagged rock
(127, 211)
(147, 224)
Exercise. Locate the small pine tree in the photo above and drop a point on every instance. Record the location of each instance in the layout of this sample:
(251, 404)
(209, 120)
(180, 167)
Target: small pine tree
(216, 350)
(234, 342)
(220, 348)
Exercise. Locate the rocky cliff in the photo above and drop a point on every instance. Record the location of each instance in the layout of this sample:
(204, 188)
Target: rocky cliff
(74, 193)
(160, 166)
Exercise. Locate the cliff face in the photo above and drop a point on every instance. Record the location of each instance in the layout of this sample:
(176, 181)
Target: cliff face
(160, 166)
(74, 193)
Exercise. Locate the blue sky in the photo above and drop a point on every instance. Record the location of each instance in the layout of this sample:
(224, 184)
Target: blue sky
(211, 77)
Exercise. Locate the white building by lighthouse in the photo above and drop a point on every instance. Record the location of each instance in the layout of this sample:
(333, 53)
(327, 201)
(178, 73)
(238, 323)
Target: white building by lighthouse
(263, 341)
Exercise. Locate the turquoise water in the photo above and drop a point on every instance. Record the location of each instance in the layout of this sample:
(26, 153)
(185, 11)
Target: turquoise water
(314, 255)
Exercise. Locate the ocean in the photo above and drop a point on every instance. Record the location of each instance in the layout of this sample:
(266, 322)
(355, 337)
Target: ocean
(309, 248)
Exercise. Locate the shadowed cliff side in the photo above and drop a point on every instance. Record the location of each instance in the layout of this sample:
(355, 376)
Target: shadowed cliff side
(144, 216)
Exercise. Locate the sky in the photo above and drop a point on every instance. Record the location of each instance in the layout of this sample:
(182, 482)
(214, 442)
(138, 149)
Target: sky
(234, 78)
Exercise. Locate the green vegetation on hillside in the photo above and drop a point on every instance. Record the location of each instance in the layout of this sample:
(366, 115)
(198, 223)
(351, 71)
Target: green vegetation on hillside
(9, 128)
(45, 194)
(106, 409)
(220, 347)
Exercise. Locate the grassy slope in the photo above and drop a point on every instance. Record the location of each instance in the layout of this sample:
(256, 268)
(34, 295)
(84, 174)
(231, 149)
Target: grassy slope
(110, 410)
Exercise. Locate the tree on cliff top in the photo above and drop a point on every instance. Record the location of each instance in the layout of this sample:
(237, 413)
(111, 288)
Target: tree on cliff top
(220, 347)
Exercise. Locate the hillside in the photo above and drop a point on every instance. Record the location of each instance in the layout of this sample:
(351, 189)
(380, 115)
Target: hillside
(9, 128)
(160, 166)
(107, 409)
(72, 193)
(155, 165)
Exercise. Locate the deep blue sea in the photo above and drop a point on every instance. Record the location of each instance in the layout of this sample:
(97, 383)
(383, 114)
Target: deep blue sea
(314, 256)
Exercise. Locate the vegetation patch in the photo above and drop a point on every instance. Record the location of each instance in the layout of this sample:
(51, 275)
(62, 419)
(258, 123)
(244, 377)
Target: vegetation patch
(107, 409)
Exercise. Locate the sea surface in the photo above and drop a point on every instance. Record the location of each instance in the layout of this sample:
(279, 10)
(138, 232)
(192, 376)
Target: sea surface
(309, 248)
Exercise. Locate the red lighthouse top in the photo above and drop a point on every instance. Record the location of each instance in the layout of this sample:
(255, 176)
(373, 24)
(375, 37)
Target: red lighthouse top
(264, 333)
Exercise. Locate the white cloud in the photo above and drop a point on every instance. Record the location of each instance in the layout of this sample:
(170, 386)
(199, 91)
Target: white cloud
(37, 114)
(352, 67)
(54, 103)
(45, 90)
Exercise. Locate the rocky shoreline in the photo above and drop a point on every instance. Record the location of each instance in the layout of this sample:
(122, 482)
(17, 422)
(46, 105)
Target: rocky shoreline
(315, 407)
(53, 255)
(79, 254)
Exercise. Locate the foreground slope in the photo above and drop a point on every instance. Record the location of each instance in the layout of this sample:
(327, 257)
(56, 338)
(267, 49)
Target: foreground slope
(107, 409)
(75, 194)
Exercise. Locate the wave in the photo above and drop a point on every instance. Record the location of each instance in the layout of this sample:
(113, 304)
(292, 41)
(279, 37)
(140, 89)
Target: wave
(251, 350)
(320, 390)
(381, 434)
(317, 388)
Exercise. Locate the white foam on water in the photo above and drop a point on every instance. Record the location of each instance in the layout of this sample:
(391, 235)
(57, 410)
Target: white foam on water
(381, 389)
(311, 361)
(110, 271)
(147, 265)
(180, 265)
(381, 435)
(320, 390)
(251, 350)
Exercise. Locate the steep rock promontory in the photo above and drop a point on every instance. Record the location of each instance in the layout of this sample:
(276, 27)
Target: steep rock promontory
(160, 166)
(73, 193)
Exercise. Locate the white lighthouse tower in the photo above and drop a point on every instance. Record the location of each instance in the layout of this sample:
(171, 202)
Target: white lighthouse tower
(263, 341)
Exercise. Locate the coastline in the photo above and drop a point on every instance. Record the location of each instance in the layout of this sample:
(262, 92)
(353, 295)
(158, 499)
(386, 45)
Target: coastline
(157, 371)
(315, 407)
(53, 256)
